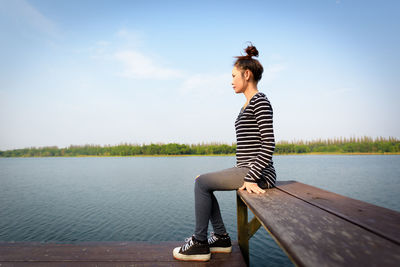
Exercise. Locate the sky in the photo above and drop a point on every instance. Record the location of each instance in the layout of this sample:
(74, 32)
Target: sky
(141, 72)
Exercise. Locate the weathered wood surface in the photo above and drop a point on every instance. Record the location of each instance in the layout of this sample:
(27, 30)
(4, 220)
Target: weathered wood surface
(243, 229)
(315, 235)
(382, 221)
(105, 254)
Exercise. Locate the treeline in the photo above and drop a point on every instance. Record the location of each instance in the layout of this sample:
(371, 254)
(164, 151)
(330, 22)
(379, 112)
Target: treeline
(336, 145)
(123, 150)
(341, 145)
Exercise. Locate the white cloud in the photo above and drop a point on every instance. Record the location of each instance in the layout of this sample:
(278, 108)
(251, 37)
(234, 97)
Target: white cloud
(138, 65)
(24, 13)
(219, 84)
(134, 63)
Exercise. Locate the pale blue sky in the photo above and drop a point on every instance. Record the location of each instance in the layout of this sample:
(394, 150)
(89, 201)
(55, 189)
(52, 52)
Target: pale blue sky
(110, 72)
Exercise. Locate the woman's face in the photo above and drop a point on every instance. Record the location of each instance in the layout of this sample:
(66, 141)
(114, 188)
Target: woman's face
(238, 80)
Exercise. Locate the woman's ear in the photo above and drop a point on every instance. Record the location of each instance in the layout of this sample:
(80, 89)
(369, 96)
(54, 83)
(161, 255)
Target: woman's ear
(247, 75)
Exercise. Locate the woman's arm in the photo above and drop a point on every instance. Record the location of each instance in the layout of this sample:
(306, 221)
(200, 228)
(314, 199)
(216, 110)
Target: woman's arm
(263, 114)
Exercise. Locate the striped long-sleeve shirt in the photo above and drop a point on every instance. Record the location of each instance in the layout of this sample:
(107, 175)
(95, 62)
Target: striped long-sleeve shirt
(255, 140)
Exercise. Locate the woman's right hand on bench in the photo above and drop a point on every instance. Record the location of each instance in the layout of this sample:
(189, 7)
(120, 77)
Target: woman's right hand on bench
(251, 188)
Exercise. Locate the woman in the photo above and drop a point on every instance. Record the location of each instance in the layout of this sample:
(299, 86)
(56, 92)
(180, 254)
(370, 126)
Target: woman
(253, 172)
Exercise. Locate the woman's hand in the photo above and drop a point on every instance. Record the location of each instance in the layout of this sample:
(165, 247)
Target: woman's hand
(252, 187)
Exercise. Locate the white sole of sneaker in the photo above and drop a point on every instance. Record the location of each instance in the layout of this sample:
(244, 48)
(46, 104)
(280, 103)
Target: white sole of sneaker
(221, 250)
(182, 257)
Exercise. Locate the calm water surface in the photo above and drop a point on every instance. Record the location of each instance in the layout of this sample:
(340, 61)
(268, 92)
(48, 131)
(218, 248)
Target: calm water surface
(151, 198)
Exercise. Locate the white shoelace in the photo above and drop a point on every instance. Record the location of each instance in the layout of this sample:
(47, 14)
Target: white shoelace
(189, 243)
(212, 238)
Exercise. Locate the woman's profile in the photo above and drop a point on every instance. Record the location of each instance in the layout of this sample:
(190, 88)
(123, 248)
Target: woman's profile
(254, 170)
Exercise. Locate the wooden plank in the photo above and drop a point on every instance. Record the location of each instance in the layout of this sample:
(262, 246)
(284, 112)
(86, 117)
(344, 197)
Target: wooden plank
(243, 229)
(313, 237)
(254, 225)
(382, 221)
(115, 264)
(105, 254)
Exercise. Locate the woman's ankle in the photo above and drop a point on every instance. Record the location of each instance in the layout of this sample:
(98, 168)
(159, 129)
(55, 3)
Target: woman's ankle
(200, 241)
(222, 235)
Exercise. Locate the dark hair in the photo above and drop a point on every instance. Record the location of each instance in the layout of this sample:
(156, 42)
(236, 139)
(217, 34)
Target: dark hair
(249, 63)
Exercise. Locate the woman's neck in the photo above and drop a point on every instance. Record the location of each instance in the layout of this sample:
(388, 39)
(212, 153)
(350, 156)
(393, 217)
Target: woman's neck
(250, 91)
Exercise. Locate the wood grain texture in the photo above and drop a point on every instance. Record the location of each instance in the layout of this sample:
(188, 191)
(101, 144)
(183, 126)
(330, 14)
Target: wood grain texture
(311, 236)
(382, 221)
(105, 254)
(243, 229)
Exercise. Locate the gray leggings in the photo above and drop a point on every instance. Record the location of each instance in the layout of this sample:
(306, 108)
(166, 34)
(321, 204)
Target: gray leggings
(206, 205)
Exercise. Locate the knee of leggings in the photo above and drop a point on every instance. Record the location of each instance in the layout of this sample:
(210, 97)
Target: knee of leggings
(198, 181)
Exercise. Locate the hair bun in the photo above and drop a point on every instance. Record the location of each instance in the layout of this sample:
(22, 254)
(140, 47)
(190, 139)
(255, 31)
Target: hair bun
(249, 63)
(251, 51)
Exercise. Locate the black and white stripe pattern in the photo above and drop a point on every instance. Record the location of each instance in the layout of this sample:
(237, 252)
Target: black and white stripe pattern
(255, 140)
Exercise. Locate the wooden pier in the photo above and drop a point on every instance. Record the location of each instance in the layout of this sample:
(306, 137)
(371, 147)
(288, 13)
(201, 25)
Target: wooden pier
(105, 254)
(320, 228)
(313, 226)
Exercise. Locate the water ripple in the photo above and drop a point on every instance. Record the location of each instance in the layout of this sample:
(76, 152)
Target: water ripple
(151, 199)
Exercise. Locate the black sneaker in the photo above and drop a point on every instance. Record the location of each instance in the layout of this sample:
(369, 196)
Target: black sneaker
(220, 243)
(192, 250)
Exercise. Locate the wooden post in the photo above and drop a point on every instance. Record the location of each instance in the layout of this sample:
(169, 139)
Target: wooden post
(243, 228)
(253, 226)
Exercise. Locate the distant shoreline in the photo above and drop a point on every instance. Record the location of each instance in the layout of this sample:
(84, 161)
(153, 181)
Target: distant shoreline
(208, 155)
(339, 146)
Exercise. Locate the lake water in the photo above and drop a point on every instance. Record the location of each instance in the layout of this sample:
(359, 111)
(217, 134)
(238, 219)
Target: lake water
(69, 200)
